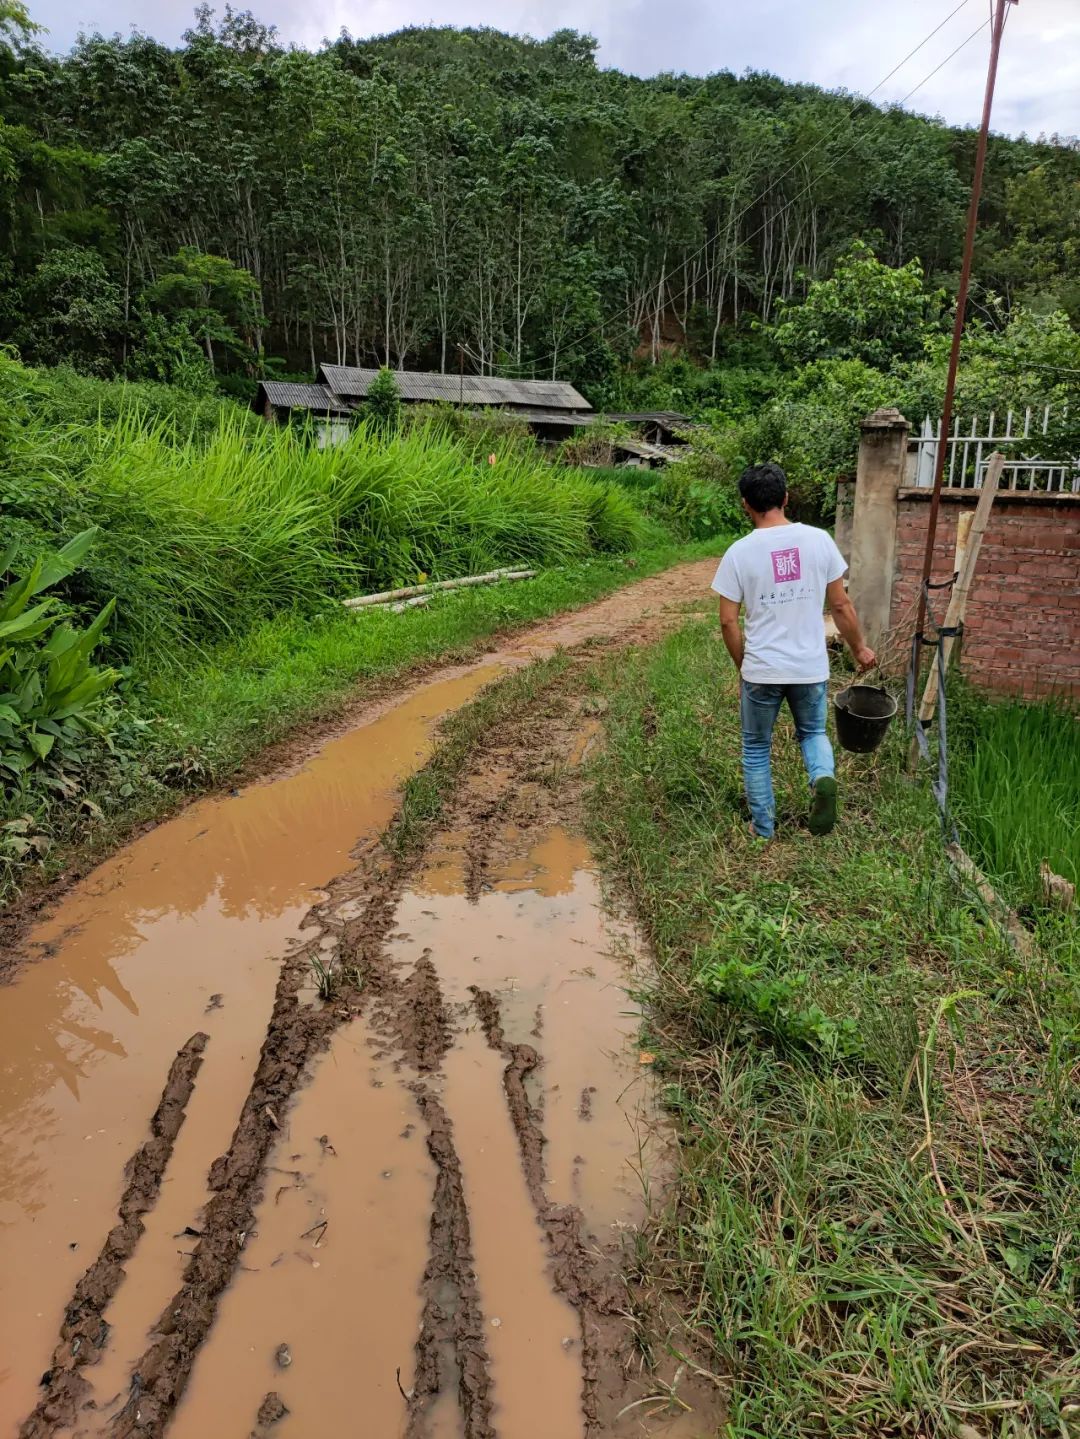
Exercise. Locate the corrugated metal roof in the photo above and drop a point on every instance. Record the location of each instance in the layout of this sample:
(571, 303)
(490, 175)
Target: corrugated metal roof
(549, 417)
(353, 382)
(287, 395)
(670, 419)
(646, 451)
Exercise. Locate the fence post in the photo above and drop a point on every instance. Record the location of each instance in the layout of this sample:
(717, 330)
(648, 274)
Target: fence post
(880, 472)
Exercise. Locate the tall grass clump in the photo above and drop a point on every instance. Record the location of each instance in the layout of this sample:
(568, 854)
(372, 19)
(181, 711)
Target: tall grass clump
(200, 537)
(62, 398)
(1016, 789)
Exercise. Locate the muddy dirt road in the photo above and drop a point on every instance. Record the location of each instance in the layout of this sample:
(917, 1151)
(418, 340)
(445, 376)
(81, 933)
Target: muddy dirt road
(234, 1205)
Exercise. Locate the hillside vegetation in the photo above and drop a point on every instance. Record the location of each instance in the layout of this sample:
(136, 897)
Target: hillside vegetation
(232, 205)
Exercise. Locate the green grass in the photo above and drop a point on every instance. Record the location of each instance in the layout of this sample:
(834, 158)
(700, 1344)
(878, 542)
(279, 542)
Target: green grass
(875, 1220)
(1016, 791)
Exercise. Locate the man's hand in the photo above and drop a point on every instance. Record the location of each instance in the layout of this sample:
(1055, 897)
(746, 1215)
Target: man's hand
(865, 658)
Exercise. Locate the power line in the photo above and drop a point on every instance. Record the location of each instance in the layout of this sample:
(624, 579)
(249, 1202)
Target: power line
(529, 368)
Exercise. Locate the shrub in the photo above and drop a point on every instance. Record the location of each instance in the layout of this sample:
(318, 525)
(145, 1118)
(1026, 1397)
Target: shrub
(384, 401)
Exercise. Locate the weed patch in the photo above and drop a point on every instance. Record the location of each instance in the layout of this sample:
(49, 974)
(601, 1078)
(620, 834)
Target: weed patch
(875, 1218)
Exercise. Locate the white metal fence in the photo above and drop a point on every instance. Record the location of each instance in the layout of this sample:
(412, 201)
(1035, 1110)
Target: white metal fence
(967, 454)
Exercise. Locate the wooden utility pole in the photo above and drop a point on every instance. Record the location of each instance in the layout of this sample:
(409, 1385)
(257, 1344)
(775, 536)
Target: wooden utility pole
(1001, 8)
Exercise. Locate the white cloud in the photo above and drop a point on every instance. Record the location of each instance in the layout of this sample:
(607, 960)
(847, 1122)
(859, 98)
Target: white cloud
(834, 43)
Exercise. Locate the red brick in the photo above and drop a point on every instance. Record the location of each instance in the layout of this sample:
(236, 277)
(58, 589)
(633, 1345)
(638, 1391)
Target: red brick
(1023, 621)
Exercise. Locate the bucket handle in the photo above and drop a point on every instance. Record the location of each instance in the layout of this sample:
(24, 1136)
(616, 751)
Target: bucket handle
(864, 677)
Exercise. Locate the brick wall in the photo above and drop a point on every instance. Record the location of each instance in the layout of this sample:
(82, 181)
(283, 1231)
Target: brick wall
(1022, 632)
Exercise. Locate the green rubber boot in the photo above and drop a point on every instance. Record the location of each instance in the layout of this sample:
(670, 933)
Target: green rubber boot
(823, 806)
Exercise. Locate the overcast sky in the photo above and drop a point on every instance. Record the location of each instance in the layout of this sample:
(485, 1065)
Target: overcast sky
(848, 43)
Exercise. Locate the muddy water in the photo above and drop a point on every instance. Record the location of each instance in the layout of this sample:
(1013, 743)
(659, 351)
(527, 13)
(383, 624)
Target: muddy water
(344, 1298)
(198, 908)
(541, 941)
(350, 1310)
(532, 1332)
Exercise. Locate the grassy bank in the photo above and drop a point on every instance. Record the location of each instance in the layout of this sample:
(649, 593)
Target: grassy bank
(875, 1218)
(201, 539)
(189, 727)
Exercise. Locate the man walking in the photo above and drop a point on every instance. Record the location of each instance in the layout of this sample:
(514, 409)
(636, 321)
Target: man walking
(783, 574)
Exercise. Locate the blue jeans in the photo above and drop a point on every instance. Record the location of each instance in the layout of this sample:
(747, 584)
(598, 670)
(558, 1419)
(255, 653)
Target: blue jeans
(759, 706)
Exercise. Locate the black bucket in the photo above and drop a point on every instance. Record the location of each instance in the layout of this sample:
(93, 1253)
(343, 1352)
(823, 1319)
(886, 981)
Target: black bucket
(863, 714)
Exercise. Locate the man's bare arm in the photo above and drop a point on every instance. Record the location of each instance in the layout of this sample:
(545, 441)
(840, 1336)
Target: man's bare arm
(847, 622)
(729, 627)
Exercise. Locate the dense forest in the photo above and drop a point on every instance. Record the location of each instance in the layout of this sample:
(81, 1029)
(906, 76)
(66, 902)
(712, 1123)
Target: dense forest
(236, 207)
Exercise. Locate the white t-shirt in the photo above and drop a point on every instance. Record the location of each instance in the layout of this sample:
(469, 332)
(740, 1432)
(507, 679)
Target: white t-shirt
(779, 575)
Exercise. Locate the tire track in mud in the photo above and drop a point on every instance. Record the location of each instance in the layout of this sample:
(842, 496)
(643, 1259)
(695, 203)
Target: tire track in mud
(84, 1330)
(531, 734)
(528, 781)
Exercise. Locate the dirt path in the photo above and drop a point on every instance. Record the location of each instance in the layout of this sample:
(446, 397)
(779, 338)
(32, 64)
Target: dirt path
(424, 1177)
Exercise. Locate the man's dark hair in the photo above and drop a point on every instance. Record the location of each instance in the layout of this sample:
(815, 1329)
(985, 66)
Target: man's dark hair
(763, 487)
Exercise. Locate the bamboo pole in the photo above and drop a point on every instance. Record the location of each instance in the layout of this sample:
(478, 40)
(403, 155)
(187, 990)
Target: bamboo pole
(958, 600)
(999, 911)
(963, 532)
(362, 602)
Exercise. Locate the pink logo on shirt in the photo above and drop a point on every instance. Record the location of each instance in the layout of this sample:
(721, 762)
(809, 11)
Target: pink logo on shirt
(785, 565)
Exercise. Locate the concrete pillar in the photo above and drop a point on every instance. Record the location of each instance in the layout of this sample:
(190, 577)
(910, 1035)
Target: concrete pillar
(872, 562)
(845, 500)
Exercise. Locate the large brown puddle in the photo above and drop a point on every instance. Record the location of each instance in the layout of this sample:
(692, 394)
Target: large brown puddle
(179, 932)
(346, 1300)
(541, 941)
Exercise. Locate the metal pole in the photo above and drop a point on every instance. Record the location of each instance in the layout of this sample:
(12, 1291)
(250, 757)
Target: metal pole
(998, 25)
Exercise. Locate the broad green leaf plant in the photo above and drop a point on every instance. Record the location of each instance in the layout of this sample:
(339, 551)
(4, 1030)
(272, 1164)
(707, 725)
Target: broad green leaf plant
(49, 689)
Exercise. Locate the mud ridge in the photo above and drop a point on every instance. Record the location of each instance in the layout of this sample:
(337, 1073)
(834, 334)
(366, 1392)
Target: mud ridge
(521, 1060)
(423, 1023)
(452, 1325)
(84, 1332)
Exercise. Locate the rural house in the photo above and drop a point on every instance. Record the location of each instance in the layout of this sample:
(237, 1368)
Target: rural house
(552, 409)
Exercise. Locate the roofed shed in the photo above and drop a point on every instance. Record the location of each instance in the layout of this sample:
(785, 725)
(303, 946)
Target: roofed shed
(349, 382)
(276, 399)
(659, 427)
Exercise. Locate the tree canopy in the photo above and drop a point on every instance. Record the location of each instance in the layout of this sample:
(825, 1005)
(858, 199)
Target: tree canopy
(388, 201)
